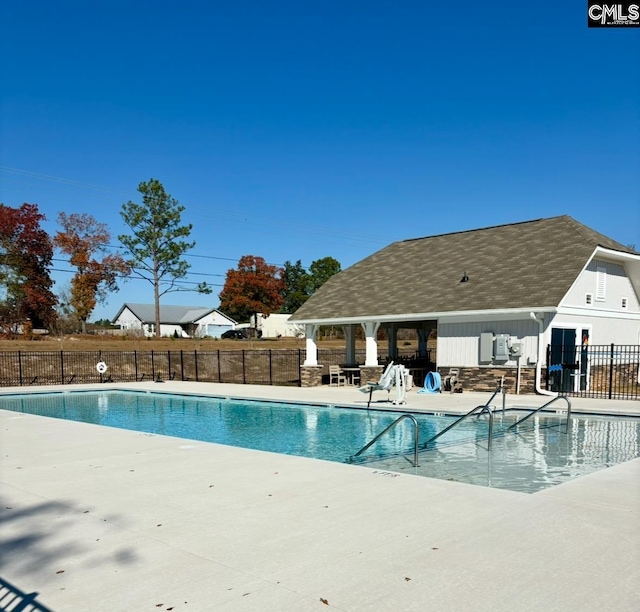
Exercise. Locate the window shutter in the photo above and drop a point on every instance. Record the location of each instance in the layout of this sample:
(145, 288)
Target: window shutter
(601, 283)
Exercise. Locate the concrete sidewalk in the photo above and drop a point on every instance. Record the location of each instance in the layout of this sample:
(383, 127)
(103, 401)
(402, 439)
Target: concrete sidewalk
(94, 518)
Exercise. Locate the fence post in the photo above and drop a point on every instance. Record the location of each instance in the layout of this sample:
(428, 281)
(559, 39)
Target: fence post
(244, 372)
(219, 368)
(270, 369)
(299, 367)
(181, 366)
(169, 364)
(611, 371)
(135, 361)
(195, 358)
(20, 366)
(153, 367)
(62, 366)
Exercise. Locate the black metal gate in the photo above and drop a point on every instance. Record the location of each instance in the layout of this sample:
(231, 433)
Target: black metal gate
(609, 371)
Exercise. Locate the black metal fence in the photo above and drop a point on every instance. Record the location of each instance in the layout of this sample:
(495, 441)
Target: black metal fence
(251, 366)
(606, 371)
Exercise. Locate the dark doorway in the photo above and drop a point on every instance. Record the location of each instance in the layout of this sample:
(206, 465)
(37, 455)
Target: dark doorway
(563, 363)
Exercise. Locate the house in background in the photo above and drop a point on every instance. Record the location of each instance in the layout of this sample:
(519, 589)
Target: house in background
(276, 325)
(183, 321)
(497, 298)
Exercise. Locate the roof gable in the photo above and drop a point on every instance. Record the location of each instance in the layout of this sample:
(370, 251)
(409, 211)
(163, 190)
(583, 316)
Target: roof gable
(522, 265)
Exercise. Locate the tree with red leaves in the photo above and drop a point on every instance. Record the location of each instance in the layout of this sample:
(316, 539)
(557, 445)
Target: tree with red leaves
(253, 287)
(26, 251)
(83, 239)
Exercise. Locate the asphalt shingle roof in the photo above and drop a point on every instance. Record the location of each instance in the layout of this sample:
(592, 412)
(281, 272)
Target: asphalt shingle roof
(168, 314)
(521, 265)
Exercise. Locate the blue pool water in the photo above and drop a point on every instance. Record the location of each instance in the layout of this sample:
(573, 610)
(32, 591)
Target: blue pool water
(539, 455)
(319, 432)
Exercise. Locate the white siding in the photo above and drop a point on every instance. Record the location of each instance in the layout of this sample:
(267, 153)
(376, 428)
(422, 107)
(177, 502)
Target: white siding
(215, 318)
(615, 284)
(602, 329)
(606, 319)
(168, 331)
(277, 325)
(459, 343)
(214, 324)
(127, 320)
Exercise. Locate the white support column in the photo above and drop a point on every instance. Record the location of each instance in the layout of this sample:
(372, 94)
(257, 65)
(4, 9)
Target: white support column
(350, 339)
(311, 356)
(371, 344)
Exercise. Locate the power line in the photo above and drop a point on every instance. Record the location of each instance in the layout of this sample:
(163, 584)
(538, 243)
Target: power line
(58, 179)
(122, 248)
(125, 277)
(190, 273)
(231, 214)
(237, 217)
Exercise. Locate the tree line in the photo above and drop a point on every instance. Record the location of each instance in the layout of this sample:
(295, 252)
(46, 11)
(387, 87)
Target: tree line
(258, 287)
(154, 251)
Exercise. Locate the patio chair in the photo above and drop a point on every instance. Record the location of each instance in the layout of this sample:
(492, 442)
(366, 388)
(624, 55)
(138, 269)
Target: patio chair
(337, 377)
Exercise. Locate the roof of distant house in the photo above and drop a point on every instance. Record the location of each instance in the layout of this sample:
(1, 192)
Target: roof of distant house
(169, 315)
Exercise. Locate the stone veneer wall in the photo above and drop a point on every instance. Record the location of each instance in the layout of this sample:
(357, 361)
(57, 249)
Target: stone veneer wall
(370, 374)
(311, 376)
(488, 379)
(473, 379)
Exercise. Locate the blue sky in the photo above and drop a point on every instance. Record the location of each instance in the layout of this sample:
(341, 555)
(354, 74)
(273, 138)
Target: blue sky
(300, 130)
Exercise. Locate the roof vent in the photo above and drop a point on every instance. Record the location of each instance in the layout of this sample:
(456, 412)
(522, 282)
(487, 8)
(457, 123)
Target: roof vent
(465, 278)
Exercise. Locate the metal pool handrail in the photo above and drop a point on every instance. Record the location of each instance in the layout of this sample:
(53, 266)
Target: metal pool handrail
(483, 408)
(559, 397)
(386, 429)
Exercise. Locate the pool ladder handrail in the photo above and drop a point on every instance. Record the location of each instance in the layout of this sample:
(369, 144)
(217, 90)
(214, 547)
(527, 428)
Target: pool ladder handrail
(482, 409)
(559, 397)
(389, 427)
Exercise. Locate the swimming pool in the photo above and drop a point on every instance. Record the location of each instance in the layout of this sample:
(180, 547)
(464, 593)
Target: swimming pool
(539, 455)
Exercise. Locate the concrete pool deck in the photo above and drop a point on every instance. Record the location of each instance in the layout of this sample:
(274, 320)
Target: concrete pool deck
(94, 518)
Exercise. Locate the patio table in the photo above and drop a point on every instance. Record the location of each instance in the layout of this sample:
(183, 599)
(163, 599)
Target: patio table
(352, 374)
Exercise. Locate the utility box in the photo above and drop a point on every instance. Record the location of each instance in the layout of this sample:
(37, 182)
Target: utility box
(516, 349)
(501, 347)
(486, 347)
